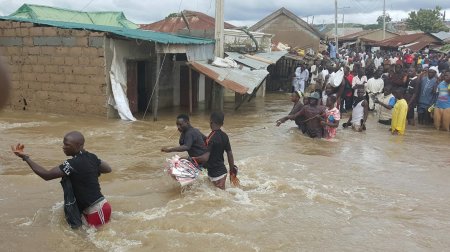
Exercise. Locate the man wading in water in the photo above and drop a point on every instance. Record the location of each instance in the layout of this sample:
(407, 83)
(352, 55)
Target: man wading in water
(191, 139)
(298, 105)
(312, 113)
(83, 170)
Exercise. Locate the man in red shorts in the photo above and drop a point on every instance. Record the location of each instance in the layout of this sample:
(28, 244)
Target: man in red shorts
(82, 170)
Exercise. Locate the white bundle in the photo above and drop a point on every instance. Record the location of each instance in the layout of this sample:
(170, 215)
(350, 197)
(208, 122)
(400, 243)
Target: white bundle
(182, 170)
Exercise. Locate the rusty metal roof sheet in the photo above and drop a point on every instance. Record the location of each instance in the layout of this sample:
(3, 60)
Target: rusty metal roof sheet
(239, 80)
(196, 20)
(408, 39)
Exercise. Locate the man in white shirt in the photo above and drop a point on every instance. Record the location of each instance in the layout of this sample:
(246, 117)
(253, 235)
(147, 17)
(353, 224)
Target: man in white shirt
(378, 61)
(304, 76)
(375, 87)
(296, 78)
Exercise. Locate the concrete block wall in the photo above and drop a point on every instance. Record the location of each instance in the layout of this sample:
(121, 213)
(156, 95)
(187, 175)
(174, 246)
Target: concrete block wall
(54, 70)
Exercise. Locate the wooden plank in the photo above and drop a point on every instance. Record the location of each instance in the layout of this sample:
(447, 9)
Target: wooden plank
(190, 91)
(156, 94)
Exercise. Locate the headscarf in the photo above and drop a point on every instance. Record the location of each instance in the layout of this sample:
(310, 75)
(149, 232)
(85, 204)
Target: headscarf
(435, 68)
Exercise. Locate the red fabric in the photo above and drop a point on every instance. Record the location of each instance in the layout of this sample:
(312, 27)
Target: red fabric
(408, 59)
(94, 219)
(350, 78)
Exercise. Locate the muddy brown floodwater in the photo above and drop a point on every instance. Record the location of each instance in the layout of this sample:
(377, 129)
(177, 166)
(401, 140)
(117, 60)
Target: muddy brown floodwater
(362, 192)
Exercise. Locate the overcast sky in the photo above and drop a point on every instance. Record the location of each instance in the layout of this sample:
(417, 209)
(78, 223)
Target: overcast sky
(244, 12)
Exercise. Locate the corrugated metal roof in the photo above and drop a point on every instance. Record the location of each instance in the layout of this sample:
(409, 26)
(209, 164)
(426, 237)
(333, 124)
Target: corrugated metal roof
(239, 80)
(158, 37)
(408, 39)
(257, 60)
(269, 57)
(252, 63)
(196, 21)
(40, 12)
(356, 35)
(444, 36)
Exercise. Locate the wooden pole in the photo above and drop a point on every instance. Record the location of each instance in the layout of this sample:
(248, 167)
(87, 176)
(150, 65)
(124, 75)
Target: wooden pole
(190, 91)
(217, 90)
(336, 23)
(156, 99)
(384, 19)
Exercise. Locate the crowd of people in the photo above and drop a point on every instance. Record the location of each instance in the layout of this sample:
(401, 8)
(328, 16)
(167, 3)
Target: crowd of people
(394, 85)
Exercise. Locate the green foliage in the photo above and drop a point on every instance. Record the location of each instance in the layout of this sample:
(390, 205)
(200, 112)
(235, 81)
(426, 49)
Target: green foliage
(372, 27)
(380, 20)
(426, 20)
(171, 15)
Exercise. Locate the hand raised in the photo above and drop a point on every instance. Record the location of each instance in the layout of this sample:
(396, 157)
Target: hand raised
(19, 150)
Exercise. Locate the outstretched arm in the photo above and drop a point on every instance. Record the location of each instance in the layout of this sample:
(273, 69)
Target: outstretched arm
(175, 149)
(387, 106)
(44, 173)
(39, 170)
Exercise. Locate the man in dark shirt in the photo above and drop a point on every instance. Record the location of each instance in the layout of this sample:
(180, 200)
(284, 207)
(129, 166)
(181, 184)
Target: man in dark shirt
(83, 170)
(217, 143)
(298, 105)
(411, 94)
(191, 139)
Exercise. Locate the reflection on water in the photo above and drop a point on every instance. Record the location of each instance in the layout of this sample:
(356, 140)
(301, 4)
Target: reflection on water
(362, 191)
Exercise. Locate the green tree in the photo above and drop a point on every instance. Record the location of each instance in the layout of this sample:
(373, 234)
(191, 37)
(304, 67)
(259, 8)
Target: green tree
(380, 20)
(426, 20)
(171, 15)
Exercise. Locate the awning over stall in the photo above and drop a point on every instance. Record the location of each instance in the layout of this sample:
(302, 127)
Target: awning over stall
(239, 80)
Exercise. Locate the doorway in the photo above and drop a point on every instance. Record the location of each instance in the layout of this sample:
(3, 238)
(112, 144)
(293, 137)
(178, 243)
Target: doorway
(138, 85)
(184, 87)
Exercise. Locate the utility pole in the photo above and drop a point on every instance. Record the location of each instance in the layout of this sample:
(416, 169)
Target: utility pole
(343, 14)
(217, 90)
(384, 19)
(336, 23)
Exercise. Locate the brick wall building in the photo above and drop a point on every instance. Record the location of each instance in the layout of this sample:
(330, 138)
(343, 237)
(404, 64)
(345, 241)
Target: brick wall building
(54, 70)
(289, 29)
(60, 67)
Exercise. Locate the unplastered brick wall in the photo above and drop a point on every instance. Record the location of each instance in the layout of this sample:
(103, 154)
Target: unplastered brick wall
(54, 70)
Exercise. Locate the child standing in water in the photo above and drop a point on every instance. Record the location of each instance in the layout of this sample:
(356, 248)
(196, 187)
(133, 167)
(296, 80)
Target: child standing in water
(332, 117)
(399, 113)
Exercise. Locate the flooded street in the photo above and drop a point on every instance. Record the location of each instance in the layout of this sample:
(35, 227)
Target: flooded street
(362, 192)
